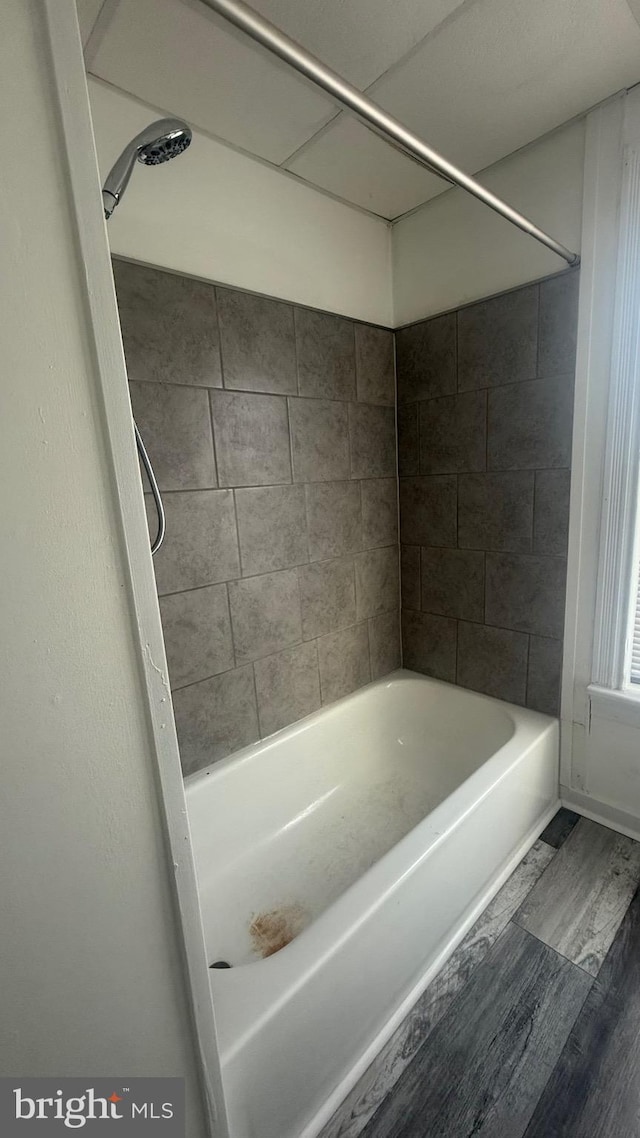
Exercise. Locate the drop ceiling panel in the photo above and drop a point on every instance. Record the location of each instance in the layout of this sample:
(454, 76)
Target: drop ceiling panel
(360, 39)
(498, 75)
(481, 79)
(504, 72)
(187, 62)
(352, 162)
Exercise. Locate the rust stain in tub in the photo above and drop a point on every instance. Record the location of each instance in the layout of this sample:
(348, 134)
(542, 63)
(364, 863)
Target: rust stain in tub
(276, 929)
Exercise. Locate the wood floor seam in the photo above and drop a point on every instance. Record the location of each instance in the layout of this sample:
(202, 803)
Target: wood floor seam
(514, 1014)
(375, 1086)
(515, 921)
(530, 1030)
(578, 903)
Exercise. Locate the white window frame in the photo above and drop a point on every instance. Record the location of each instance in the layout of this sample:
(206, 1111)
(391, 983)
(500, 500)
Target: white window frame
(617, 568)
(600, 716)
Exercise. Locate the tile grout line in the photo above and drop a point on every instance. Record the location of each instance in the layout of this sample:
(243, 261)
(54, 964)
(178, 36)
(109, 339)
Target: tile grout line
(538, 330)
(563, 376)
(526, 674)
(255, 696)
(213, 439)
(295, 348)
(533, 513)
(235, 515)
(219, 331)
(233, 639)
(278, 651)
(482, 624)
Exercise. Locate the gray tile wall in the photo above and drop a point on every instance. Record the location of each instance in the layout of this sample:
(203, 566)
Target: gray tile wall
(272, 433)
(484, 433)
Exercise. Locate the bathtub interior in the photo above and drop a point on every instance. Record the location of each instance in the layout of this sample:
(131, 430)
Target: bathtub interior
(282, 829)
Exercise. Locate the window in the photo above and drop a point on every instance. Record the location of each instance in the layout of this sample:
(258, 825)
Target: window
(616, 659)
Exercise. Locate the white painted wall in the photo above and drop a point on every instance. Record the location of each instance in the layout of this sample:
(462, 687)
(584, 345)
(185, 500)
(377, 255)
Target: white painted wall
(91, 969)
(454, 250)
(223, 216)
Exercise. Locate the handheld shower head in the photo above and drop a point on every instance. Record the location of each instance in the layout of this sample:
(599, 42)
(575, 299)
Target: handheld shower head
(159, 142)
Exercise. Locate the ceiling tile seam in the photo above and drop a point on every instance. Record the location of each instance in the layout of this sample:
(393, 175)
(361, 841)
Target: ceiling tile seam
(164, 112)
(512, 154)
(308, 142)
(383, 75)
(435, 31)
(101, 26)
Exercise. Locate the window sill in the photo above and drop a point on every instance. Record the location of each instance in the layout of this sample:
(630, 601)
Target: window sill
(618, 706)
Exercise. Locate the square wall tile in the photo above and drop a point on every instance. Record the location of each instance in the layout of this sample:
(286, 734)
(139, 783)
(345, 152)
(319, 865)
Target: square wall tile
(201, 543)
(252, 438)
(492, 661)
(408, 453)
(429, 645)
(257, 341)
(530, 425)
(428, 510)
(215, 718)
(272, 528)
(544, 675)
(495, 511)
(175, 424)
(453, 583)
(287, 687)
(379, 512)
(326, 355)
(334, 519)
(384, 644)
(526, 593)
(344, 662)
(558, 324)
(327, 596)
(497, 339)
(551, 514)
(197, 634)
(426, 359)
(265, 614)
(372, 432)
(453, 433)
(169, 326)
(375, 365)
(377, 581)
(410, 576)
(319, 440)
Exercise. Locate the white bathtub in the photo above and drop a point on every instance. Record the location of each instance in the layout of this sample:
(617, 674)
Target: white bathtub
(374, 831)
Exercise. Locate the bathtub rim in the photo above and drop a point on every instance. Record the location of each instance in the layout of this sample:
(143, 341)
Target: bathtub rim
(218, 766)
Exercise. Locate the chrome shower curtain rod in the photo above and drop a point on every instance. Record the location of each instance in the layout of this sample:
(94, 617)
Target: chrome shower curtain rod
(383, 124)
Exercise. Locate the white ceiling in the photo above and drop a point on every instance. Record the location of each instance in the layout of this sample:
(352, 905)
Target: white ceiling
(476, 78)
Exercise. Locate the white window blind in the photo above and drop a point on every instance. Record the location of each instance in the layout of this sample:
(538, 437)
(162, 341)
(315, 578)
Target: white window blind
(615, 607)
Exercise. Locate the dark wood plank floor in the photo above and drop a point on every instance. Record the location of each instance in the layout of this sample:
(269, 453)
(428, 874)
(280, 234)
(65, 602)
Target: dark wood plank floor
(533, 1046)
(514, 1015)
(559, 828)
(595, 1089)
(577, 905)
